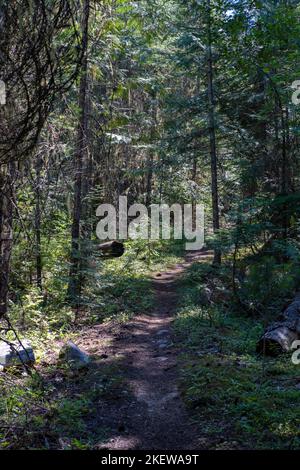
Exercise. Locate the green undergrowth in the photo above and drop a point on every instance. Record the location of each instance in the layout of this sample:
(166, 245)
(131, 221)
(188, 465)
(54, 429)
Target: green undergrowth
(114, 290)
(54, 408)
(126, 287)
(58, 410)
(239, 399)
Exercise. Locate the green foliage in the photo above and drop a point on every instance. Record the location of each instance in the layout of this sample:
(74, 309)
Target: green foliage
(148, 138)
(266, 285)
(70, 414)
(234, 396)
(124, 287)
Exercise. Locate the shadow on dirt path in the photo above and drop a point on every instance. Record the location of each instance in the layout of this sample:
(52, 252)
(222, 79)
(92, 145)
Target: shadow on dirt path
(148, 413)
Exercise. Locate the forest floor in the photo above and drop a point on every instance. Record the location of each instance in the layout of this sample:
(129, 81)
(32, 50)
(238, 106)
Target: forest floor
(144, 409)
(174, 367)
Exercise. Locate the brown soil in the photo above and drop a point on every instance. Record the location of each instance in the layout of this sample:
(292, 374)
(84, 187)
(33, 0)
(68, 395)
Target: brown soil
(147, 411)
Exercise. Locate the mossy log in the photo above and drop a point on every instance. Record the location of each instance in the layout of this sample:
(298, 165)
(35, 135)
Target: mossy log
(111, 249)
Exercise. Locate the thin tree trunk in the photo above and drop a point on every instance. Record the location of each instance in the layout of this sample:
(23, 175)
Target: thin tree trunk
(75, 281)
(150, 160)
(6, 232)
(149, 178)
(194, 201)
(38, 253)
(87, 172)
(212, 137)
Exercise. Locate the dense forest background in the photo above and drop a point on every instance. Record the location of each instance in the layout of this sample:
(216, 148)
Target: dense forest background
(161, 101)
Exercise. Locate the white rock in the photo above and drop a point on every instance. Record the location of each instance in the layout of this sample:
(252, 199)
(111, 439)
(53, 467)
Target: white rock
(72, 355)
(16, 354)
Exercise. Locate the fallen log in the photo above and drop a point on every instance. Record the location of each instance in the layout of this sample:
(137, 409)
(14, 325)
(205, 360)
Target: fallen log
(111, 249)
(279, 336)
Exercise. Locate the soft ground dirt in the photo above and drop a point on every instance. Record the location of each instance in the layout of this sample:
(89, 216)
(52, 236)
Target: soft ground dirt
(148, 413)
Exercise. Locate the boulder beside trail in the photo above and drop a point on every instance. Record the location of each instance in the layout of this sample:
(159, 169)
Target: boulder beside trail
(15, 354)
(73, 356)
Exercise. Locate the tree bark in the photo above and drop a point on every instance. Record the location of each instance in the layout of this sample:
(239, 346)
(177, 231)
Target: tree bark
(74, 288)
(149, 178)
(212, 137)
(150, 161)
(6, 232)
(38, 253)
(279, 336)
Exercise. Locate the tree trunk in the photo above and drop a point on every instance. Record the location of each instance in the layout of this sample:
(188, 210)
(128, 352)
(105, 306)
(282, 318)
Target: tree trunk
(279, 336)
(149, 178)
(194, 200)
(151, 155)
(212, 137)
(38, 253)
(75, 281)
(6, 233)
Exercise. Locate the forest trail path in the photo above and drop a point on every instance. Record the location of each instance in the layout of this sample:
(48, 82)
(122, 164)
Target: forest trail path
(149, 413)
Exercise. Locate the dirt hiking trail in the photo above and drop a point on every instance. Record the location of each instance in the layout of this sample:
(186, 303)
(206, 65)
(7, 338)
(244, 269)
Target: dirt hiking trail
(149, 413)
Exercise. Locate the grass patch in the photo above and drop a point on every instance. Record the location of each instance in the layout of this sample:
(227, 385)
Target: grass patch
(58, 412)
(236, 396)
(125, 284)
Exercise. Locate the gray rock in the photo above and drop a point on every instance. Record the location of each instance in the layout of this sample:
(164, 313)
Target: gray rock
(16, 355)
(73, 356)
